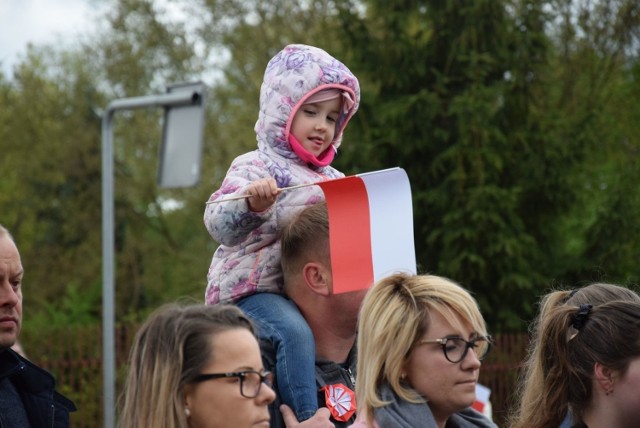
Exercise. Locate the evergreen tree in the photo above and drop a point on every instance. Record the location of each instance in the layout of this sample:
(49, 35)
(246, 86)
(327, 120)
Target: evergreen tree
(481, 104)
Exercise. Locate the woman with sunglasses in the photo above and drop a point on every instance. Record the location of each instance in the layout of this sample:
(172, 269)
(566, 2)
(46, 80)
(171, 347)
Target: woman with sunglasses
(197, 366)
(420, 342)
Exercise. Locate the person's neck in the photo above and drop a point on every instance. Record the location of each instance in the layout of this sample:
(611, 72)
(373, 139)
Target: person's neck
(440, 420)
(601, 414)
(595, 420)
(334, 336)
(333, 346)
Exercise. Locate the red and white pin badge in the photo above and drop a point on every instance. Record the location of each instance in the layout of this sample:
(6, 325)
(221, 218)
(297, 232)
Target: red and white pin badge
(340, 400)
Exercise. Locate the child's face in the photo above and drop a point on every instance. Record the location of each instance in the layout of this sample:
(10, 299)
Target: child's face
(314, 125)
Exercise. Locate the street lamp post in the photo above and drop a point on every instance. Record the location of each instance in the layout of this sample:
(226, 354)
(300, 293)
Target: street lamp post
(186, 96)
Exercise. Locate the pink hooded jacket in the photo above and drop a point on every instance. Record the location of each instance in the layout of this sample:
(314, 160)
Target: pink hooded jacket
(248, 258)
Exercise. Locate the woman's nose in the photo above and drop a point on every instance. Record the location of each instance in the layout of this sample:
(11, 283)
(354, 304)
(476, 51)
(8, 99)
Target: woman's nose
(471, 360)
(266, 395)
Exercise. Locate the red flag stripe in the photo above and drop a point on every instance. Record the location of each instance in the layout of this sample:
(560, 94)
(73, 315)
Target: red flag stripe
(349, 233)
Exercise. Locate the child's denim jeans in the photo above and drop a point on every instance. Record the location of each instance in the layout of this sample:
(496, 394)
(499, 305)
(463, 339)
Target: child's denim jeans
(279, 321)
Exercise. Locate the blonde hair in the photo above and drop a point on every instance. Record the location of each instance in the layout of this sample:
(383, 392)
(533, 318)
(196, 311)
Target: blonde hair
(168, 352)
(393, 317)
(542, 395)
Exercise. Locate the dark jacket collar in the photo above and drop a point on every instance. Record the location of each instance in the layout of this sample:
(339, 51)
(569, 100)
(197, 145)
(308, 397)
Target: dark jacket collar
(24, 373)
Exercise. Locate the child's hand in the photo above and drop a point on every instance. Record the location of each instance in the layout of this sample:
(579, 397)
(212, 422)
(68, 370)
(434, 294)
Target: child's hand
(263, 194)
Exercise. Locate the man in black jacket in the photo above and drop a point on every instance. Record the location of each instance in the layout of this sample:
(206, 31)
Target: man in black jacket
(27, 392)
(306, 266)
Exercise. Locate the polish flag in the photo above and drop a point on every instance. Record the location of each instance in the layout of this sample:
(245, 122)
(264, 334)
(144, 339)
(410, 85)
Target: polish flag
(370, 227)
(482, 403)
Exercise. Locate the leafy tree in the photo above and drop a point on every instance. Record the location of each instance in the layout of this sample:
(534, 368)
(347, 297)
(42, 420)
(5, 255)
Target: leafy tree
(480, 104)
(440, 119)
(51, 125)
(161, 252)
(515, 120)
(51, 172)
(610, 241)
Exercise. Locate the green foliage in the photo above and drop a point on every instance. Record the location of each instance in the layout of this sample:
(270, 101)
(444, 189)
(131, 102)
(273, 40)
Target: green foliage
(78, 306)
(51, 172)
(516, 121)
(494, 108)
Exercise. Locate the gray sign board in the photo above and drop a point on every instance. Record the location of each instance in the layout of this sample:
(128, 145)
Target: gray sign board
(182, 136)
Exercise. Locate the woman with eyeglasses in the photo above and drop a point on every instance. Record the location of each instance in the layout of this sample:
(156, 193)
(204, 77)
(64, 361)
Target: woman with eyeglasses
(196, 366)
(421, 339)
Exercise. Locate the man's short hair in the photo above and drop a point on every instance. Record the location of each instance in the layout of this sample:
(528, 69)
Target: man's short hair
(305, 239)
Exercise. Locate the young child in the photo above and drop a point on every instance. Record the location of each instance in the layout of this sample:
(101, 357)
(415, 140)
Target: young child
(306, 99)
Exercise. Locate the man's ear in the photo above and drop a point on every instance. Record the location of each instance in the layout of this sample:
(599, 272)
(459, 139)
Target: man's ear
(604, 377)
(316, 278)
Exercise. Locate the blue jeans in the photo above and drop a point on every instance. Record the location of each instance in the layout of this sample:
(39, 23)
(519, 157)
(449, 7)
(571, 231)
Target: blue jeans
(279, 321)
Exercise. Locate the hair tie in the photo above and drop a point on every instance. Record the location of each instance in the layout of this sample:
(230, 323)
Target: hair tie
(581, 316)
(579, 319)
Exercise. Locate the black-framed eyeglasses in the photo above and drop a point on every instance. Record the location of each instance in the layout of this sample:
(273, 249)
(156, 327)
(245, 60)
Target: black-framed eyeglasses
(455, 348)
(250, 380)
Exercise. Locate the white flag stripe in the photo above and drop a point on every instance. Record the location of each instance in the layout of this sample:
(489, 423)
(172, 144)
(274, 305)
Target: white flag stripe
(391, 214)
(482, 393)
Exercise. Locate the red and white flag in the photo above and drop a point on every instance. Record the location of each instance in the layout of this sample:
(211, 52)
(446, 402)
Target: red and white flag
(370, 227)
(482, 403)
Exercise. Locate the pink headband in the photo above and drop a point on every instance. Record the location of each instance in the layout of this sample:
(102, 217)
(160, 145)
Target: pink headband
(329, 94)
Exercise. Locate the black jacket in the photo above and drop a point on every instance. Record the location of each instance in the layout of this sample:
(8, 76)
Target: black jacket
(327, 373)
(36, 387)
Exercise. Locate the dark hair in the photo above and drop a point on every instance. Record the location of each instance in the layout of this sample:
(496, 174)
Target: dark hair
(608, 334)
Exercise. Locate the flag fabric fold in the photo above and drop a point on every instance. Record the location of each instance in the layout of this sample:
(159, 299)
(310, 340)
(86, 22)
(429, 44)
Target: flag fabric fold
(370, 227)
(482, 403)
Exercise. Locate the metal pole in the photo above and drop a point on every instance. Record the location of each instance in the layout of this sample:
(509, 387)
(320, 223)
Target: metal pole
(108, 238)
(108, 301)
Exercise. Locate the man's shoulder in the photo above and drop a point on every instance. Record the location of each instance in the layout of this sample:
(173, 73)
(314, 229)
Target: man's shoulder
(9, 361)
(326, 371)
(330, 372)
(30, 378)
(36, 387)
(25, 373)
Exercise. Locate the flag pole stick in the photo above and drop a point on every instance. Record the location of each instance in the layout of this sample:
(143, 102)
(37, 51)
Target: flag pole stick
(235, 198)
